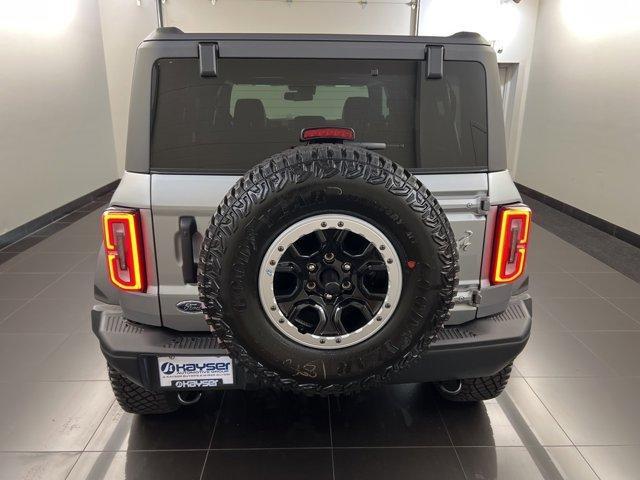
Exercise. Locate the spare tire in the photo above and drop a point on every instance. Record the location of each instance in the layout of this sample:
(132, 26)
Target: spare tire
(327, 268)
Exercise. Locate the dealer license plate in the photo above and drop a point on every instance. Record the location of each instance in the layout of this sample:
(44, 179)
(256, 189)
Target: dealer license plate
(195, 371)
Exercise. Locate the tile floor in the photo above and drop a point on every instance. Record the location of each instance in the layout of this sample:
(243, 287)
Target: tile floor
(570, 411)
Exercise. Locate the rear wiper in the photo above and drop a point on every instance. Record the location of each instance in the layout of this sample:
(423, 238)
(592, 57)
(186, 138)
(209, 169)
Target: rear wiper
(370, 145)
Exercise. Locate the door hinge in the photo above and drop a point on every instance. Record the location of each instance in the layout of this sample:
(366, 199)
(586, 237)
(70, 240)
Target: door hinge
(434, 56)
(476, 298)
(208, 56)
(483, 205)
(470, 297)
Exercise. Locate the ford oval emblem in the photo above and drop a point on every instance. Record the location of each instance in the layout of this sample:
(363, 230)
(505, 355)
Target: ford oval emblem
(190, 306)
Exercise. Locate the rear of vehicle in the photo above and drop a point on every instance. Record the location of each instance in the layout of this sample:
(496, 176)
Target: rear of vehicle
(205, 109)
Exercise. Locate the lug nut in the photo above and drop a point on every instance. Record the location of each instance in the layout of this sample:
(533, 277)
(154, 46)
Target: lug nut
(281, 248)
(322, 340)
(387, 305)
(272, 262)
(341, 224)
(281, 320)
(389, 260)
(379, 318)
(382, 247)
(323, 224)
(338, 339)
(311, 285)
(273, 307)
(346, 285)
(329, 257)
(346, 267)
(328, 296)
(312, 267)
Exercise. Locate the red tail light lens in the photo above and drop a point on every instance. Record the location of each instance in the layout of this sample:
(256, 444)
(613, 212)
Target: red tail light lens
(510, 245)
(123, 248)
(327, 133)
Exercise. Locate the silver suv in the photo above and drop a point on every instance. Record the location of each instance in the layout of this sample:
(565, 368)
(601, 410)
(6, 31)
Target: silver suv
(318, 214)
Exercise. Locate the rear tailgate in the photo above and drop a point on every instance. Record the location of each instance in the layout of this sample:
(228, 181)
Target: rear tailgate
(174, 196)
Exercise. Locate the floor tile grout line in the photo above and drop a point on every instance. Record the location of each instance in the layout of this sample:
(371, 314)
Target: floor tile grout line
(333, 462)
(542, 307)
(550, 413)
(74, 465)
(89, 440)
(573, 445)
(600, 297)
(26, 301)
(213, 432)
(613, 370)
(446, 429)
(99, 424)
(64, 275)
(86, 255)
(31, 300)
(37, 295)
(587, 462)
(608, 300)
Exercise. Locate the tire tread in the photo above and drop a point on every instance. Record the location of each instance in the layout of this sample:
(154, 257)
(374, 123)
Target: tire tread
(297, 165)
(481, 388)
(135, 399)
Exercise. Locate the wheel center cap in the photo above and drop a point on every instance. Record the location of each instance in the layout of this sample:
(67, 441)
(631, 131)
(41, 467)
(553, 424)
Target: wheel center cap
(329, 276)
(332, 287)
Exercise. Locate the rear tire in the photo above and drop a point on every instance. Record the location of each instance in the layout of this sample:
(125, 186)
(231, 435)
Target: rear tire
(135, 399)
(475, 389)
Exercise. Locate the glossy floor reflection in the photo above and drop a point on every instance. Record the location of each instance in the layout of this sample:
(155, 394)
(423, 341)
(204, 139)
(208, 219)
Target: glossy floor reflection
(570, 411)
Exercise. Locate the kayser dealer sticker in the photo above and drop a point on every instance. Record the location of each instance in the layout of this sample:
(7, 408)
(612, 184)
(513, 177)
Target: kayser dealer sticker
(195, 372)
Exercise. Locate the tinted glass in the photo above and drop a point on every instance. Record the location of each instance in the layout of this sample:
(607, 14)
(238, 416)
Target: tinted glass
(257, 107)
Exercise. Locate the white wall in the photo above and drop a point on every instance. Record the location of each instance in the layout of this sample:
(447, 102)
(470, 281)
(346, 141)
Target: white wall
(392, 17)
(124, 26)
(581, 130)
(56, 138)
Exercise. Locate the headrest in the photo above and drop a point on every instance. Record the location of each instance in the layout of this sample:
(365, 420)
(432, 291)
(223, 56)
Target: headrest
(356, 110)
(249, 112)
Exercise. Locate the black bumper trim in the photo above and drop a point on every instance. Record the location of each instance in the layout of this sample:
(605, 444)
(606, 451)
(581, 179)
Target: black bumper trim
(478, 348)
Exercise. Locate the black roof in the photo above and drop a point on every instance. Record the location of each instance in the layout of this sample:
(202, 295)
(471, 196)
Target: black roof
(173, 33)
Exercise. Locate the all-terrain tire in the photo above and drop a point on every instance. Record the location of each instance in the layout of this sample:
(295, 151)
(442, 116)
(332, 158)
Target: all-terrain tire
(135, 399)
(477, 389)
(280, 191)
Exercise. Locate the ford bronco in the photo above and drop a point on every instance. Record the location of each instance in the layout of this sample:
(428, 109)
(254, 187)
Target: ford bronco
(321, 214)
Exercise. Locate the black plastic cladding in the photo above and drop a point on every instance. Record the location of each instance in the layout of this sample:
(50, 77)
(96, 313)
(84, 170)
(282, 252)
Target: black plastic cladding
(172, 43)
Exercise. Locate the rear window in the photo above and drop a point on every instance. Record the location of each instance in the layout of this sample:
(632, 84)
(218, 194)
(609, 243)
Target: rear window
(257, 107)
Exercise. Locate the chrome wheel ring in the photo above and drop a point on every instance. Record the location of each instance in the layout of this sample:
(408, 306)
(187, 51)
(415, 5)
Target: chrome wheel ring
(331, 284)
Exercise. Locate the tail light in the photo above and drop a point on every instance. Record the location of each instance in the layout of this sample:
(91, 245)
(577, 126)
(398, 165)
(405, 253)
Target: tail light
(510, 245)
(123, 248)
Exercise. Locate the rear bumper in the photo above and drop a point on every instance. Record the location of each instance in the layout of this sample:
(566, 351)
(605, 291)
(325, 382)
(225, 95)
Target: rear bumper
(478, 348)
